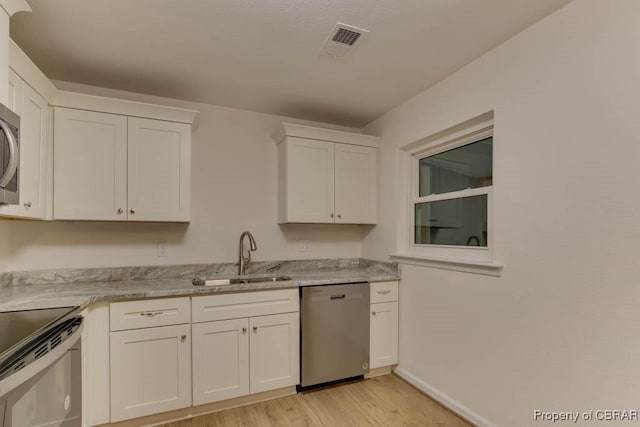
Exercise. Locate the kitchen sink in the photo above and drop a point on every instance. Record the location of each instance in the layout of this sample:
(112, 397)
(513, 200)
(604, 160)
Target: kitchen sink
(238, 280)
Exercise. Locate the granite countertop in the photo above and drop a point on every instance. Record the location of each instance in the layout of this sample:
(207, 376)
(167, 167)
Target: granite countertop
(61, 288)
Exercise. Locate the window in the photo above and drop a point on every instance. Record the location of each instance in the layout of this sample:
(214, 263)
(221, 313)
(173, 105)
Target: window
(448, 214)
(450, 204)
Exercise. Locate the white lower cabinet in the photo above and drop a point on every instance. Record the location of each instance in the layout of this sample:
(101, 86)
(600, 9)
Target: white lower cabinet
(172, 353)
(246, 355)
(150, 366)
(150, 371)
(220, 360)
(384, 335)
(383, 344)
(275, 350)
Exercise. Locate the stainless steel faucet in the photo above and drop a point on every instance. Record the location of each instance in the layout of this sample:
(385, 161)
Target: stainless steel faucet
(242, 260)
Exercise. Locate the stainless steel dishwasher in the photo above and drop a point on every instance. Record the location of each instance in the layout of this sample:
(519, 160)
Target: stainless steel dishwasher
(334, 333)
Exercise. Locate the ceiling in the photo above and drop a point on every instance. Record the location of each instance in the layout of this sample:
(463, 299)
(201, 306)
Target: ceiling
(264, 55)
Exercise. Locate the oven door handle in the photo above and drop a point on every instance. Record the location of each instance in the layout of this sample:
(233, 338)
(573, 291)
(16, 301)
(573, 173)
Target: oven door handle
(13, 155)
(25, 374)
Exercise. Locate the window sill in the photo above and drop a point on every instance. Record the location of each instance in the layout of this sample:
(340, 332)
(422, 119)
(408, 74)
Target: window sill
(475, 267)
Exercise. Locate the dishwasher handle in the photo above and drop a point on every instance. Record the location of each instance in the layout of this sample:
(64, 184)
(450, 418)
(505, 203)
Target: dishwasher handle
(342, 296)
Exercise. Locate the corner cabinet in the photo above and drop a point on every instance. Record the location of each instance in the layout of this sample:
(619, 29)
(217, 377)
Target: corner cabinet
(35, 128)
(326, 176)
(113, 167)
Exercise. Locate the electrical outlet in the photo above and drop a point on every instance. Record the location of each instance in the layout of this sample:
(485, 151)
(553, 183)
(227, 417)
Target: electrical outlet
(304, 245)
(162, 249)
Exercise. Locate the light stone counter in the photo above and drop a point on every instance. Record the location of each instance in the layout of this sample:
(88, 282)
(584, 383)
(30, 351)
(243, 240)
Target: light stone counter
(81, 287)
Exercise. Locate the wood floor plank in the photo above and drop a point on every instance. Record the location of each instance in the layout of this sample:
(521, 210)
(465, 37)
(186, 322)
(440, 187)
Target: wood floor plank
(381, 401)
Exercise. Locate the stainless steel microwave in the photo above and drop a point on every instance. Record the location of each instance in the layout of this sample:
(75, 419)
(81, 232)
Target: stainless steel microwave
(9, 156)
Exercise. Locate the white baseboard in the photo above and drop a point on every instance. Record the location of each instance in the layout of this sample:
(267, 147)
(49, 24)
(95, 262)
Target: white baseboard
(444, 400)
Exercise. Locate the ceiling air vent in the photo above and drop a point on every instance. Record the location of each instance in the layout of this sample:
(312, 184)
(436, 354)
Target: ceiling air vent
(342, 39)
(347, 37)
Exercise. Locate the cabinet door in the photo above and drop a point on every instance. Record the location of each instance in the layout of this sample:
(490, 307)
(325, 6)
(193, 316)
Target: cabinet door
(33, 111)
(16, 91)
(383, 334)
(90, 159)
(159, 167)
(220, 360)
(150, 371)
(356, 185)
(275, 351)
(309, 181)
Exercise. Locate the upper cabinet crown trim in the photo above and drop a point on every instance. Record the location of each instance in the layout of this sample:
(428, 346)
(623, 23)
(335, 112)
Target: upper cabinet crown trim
(14, 6)
(103, 104)
(25, 68)
(309, 132)
(30, 73)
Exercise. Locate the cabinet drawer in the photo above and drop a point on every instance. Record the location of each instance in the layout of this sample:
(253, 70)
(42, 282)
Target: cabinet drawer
(149, 313)
(245, 304)
(384, 292)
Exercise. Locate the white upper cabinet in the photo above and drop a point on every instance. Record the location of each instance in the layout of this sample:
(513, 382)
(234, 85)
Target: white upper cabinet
(115, 168)
(16, 86)
(90, 165)
(309, 191)
(326, 176)
(356, 191)
(159, 164)
(33, 110)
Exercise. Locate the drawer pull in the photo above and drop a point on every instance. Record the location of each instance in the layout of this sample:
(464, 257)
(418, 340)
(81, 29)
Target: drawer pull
(151, 313)
(255, 328)
(373, 312)
(244, 329)
(183, 338)
(385, 292)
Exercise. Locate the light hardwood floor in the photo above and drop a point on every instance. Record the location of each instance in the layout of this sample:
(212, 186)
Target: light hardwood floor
(380, 401)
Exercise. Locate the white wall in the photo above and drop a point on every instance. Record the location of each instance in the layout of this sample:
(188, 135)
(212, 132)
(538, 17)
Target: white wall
(558, 330)
(234, 184)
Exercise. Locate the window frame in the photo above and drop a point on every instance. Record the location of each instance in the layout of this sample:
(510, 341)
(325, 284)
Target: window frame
(466, 133)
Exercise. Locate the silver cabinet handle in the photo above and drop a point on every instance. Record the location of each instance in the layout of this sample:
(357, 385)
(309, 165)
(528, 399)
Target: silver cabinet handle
(339, 215)
(385, 292)
(120, 210)
(183, 337)
(12, 165)
(132, 211)
(27, 204)
(244, 329)
(151, 313)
